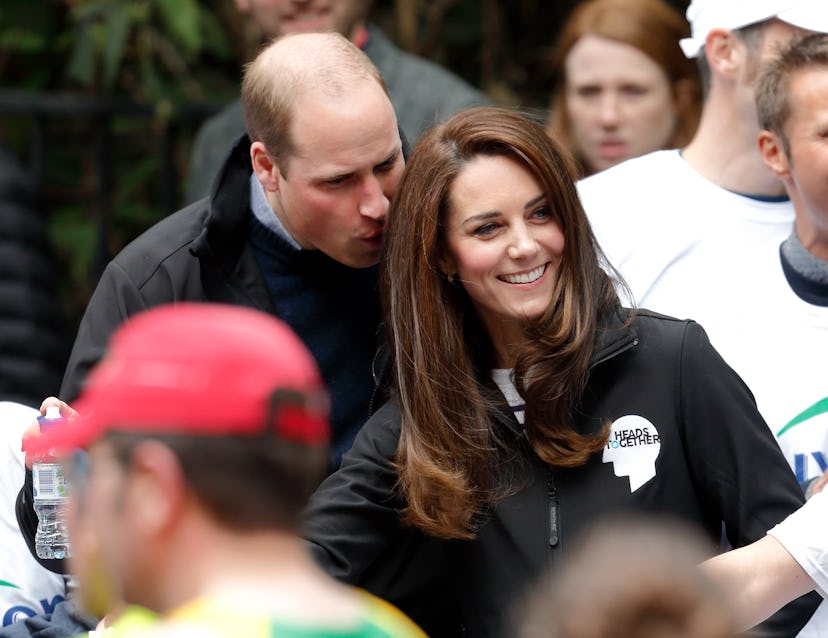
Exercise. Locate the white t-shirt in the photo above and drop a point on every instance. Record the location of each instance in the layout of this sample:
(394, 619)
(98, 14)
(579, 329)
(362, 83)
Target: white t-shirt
(26, 588)
(805, 535)
(504, 378)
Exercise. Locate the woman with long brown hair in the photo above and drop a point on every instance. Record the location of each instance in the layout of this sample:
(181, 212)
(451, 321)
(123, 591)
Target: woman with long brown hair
(527, 402)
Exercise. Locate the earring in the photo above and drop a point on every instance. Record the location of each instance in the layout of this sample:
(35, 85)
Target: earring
(453, 278)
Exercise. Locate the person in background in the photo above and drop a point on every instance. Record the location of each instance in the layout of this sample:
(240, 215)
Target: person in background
(623, 87)
(27, 589)
(422, 92)
(633, 577)
(791, 560)
(644, 578)
(696, 232)
(792, 101)
(528, 403)
(197, 441)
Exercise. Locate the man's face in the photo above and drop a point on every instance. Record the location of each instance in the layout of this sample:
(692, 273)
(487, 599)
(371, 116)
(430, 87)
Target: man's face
(96, 527)
(333, 191)
(280, 17)
(807, 133)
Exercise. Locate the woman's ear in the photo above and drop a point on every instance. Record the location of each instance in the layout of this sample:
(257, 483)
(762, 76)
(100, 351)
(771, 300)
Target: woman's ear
(446, 265)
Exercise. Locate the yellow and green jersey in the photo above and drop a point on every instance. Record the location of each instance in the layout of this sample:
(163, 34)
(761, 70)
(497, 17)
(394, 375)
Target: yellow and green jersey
(209, 619)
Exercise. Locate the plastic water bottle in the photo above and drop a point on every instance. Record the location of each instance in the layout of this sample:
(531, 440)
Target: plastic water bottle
(51, 491)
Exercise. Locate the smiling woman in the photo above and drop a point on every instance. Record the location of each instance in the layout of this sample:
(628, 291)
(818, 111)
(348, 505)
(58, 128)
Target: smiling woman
(528, 403)
(623, 86)
(504, 246)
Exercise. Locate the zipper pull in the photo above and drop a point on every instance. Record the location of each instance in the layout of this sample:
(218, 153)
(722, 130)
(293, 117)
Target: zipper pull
(554, 523)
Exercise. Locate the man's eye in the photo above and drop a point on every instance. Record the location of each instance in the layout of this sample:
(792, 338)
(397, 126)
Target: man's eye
(387, 166)
(336, 181)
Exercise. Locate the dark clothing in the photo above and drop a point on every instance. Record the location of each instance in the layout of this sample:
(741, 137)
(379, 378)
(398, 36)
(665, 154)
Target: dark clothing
(701, 457)
(422, 93)
(65, 620)
(335, 310)
(34, 341)
(204, 253)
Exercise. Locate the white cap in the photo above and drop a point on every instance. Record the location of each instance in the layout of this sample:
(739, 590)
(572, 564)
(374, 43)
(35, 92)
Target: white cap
(706, 15)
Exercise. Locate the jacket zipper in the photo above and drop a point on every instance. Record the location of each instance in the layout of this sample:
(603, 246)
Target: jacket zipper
(554, 529)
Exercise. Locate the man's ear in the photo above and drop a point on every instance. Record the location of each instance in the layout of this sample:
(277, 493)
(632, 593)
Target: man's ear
(157, 488)
(264, 166)
(773, 154)
(725, 54)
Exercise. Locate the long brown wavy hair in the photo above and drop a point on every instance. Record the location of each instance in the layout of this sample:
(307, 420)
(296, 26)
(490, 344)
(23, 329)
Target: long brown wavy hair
(651, 26)
(449, 450)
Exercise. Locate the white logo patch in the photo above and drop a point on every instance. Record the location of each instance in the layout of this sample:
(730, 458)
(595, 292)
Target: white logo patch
(632, 449)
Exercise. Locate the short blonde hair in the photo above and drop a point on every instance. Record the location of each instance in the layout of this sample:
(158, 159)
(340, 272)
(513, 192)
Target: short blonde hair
(292, 66)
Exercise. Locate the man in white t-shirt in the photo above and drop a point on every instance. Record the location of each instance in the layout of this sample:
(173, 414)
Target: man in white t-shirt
(696, 232)
(792, 102)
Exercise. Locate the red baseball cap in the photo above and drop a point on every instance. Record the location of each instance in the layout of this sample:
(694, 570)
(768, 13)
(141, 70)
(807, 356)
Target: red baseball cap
(201, 369)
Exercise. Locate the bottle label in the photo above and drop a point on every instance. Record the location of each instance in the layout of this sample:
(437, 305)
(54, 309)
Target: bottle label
(49, 481)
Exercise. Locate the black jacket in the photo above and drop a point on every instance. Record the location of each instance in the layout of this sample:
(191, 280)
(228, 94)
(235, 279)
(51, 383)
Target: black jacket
(718, 464)
(199, 253)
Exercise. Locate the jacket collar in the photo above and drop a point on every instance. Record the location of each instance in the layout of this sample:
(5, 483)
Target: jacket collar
(226, 228)
(615, 334)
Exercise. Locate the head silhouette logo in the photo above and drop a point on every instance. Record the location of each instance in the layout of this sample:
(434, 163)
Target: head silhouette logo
(632, 448)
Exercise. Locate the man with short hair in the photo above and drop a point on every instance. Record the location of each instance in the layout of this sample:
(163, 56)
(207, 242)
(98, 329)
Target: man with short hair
(293, 228)
(422, 92)
(792, 101)
(206, 432)
(691, 230)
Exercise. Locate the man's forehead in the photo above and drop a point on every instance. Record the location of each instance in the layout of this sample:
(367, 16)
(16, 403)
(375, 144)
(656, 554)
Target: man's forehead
(322, 134)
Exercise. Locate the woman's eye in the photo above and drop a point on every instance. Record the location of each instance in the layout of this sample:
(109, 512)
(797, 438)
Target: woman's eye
(485, 229)
(634, 89)
(588, 91)
(543, 212)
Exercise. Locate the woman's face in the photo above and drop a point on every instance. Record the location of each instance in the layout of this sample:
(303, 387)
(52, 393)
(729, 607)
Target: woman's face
(504, 243)
(619, 102)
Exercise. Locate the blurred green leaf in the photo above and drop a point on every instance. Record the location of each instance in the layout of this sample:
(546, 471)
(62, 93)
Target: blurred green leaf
(74, 235)
(22, 40)
(117, 33)
(215, 36)
(182, 19)
(82, 60)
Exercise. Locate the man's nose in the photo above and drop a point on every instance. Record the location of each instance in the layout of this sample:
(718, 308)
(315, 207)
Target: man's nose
(373, 202)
